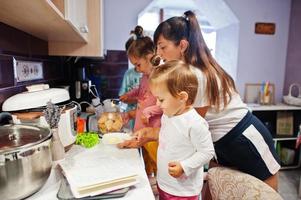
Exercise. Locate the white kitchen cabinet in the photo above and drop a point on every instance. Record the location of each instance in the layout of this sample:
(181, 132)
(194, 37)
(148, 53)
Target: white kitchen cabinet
(40, 18)
(66, 24)
(76, 15)
(94, 36)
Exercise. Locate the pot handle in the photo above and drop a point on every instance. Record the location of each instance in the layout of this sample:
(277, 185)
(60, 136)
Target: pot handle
(5, 118)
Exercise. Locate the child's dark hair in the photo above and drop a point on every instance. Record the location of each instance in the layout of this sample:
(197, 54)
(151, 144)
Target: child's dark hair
(135, 34)
(178, 77)
(140, 46)
(198, 54)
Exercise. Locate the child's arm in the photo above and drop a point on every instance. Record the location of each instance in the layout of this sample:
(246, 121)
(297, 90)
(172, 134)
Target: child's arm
(126, 116)
(149, 112)
(130, 96)
(200, 138)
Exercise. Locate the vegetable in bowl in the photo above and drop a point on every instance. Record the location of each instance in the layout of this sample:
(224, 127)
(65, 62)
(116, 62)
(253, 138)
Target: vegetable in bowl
(87, 139)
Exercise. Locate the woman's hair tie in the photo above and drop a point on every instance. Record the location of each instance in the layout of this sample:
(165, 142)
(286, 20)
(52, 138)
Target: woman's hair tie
(185, 17)
(133, 36)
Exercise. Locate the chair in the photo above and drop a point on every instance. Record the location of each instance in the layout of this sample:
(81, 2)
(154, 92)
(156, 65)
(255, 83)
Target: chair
(227, 184)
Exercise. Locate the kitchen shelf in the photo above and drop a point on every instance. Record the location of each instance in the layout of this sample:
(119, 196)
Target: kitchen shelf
(40, 18)
(281, 106)
(284, 138)
(268, 115)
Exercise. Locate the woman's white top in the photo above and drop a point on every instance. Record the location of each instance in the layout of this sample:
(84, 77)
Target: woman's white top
(220, 123)
(184, 138)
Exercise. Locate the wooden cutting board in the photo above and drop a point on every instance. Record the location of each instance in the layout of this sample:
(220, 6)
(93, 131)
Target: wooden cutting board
(28, 115)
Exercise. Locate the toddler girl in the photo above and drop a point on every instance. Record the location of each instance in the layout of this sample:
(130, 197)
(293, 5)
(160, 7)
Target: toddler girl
(185, 143)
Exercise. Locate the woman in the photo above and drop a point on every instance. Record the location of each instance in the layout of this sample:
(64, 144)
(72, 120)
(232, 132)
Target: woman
(240, 139)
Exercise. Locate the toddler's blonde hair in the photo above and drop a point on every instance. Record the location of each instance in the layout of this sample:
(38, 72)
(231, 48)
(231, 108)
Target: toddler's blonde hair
(177, 76)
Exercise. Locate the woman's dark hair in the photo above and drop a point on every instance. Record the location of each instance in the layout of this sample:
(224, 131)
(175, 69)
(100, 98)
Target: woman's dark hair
(140, 46)
(198, 54)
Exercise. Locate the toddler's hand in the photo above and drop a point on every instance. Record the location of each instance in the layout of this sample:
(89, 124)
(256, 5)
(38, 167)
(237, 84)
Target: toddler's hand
(175, 169)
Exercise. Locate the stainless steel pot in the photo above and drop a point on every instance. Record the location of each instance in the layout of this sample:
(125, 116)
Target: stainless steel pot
(25, 160)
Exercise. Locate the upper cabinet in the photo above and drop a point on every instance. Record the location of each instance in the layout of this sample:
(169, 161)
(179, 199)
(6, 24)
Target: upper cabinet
(93, 26)
(76, 15)
(66, 24)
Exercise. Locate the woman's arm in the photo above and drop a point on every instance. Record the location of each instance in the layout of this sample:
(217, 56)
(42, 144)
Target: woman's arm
(141, 137)
(147, 134)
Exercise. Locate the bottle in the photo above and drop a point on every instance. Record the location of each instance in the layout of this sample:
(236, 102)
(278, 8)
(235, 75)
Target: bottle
(57, 148)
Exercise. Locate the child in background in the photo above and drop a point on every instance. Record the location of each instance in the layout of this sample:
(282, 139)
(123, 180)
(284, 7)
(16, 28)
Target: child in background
(131, 80)
(185, 143)
(141, 53)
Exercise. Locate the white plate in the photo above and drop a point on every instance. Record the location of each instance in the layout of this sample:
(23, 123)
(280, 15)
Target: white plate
(115, 138)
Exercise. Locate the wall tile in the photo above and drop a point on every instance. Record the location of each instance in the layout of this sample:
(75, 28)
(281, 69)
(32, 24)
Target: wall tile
(17, 44)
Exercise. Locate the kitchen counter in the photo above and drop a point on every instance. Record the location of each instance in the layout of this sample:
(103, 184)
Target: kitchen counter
(141, 190)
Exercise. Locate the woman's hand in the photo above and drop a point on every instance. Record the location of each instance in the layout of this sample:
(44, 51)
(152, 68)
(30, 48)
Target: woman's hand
(175, 169)
(147, 134)
(133, 143)
(140, 138)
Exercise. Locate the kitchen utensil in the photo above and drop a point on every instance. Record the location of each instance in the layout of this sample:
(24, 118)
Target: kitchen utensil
(34, 99)
(27, 108)
(5, 118)
(25, 160)
(111, 105)
(52, 115)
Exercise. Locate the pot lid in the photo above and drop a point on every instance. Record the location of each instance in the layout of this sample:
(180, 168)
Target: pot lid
(35, 99)
(17, 136)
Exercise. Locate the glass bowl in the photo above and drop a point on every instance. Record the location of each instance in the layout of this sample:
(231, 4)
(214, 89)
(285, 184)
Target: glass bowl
(110, 122)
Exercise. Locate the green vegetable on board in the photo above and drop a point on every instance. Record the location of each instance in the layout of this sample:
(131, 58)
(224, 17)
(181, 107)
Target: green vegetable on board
(88, 139)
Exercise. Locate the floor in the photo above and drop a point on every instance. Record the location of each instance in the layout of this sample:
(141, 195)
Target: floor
(289, 184)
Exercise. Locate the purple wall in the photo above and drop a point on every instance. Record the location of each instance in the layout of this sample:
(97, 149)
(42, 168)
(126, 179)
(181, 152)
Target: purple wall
(293, 61)
(260, 57)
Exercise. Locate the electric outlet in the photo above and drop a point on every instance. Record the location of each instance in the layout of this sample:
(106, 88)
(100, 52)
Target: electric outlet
(27, 70)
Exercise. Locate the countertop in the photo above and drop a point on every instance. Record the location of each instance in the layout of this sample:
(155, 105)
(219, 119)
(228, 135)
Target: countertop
(141, 190)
